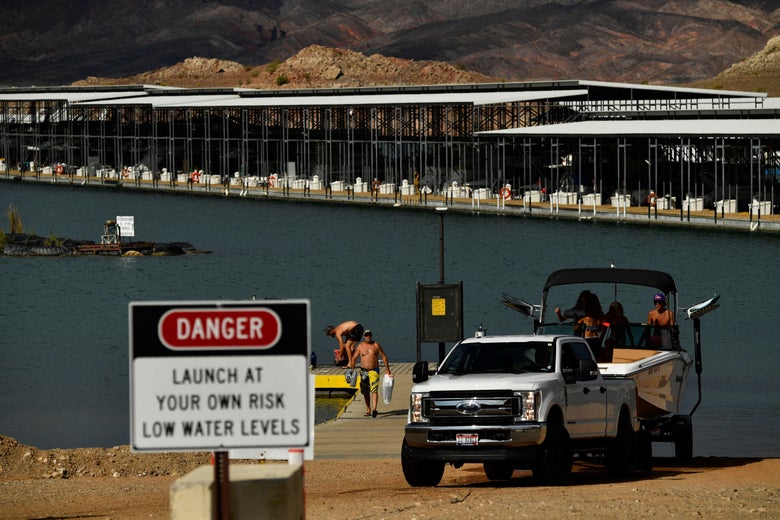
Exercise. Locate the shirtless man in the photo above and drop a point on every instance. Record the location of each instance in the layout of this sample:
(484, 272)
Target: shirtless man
(660, 316)
(369, 352)
(661, 319)
(347, 334)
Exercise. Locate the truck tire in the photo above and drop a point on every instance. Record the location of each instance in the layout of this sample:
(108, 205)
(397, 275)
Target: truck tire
(554, 460)
(620, 454)
(683, 443)
(498, 470)
(644, 451)
(417, 473)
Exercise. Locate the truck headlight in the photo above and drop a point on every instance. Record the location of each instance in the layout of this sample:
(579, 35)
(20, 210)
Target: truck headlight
(528, 406)
(416, 400)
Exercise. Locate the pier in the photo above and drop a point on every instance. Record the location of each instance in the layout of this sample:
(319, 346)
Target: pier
(354, 436)
(477, 202)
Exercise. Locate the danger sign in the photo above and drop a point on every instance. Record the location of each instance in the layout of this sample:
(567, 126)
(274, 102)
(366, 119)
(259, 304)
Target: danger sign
(220, 328)
(220, 375)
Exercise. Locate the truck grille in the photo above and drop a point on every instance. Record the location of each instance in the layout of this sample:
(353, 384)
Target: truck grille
(476, 408)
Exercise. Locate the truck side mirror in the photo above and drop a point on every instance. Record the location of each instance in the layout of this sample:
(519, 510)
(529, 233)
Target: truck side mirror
(569, 377)
(420, 372)
(588, 370)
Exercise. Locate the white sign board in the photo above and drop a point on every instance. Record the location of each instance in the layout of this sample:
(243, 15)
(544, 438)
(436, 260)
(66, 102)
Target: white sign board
(220, 375)
(126, 226)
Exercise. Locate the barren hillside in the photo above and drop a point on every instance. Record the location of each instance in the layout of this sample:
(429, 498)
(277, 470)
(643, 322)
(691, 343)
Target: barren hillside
(313, 67)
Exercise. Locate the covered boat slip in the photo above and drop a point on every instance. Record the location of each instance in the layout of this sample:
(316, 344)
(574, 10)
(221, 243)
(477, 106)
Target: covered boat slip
(563, 142)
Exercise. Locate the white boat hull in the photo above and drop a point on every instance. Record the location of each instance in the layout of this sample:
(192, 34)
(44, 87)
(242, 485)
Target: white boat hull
(660, 377)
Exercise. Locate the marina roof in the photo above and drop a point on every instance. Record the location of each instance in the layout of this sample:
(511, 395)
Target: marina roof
(70, 96)
(650, 128)
(353, 99)
(165, 101)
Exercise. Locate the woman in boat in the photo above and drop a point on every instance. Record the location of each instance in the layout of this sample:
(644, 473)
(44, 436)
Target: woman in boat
(617, 322)
(576, 312)
(589, 326)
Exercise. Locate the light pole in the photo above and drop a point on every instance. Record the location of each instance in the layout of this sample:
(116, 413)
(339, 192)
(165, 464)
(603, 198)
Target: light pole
(441, 210)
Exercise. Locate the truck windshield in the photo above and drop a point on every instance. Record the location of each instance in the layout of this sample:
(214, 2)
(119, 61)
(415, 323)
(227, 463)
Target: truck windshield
(510, 358)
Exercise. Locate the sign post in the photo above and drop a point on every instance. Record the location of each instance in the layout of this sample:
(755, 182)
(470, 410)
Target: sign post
(219, 375)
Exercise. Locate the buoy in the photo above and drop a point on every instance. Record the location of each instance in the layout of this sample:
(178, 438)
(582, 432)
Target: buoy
(651, 199)
(125, 173)
(59, 169)
(506, 193)
(195, 176)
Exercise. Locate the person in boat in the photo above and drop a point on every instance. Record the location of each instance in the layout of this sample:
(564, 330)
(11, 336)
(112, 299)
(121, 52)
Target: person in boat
(576, 312)
(347, 333)
(589, 325)
(617, 322)
(660, 319)
(660, 315)
(369, 351)
(615, 330)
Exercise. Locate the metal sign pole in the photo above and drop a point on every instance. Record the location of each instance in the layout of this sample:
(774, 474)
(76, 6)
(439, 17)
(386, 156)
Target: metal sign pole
(221, 489)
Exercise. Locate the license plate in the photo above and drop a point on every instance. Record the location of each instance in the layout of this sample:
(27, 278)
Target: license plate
(466, 439)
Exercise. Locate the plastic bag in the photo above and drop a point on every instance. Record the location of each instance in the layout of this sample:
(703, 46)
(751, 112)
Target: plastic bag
(387, 388)
(351, 376)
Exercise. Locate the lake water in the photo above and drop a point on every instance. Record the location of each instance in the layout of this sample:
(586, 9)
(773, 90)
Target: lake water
(64, 369)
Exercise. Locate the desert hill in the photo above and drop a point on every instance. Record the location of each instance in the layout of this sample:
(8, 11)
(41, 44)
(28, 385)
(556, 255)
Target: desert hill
(312, 67)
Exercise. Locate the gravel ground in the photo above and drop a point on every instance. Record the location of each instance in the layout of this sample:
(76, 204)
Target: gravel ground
(114, 483)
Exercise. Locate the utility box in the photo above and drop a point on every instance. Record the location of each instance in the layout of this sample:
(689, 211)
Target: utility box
(256, 491)
(440, 312)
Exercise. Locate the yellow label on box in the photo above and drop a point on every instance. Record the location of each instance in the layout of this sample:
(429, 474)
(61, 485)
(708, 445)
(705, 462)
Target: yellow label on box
(438, 307)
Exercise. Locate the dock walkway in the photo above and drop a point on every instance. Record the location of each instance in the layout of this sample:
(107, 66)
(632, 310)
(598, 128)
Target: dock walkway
(354, 436)
(742, 221)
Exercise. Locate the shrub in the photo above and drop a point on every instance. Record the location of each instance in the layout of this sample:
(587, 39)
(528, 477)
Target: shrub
(270, 68)
(282, 79)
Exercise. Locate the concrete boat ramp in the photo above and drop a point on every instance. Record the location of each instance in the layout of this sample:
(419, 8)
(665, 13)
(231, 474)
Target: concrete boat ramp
(354, 436)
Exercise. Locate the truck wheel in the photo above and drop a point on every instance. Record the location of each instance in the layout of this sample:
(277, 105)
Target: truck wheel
(417, 473)
(554, 460)
(683, 443)
(644, 451)
(620, 454)
(498, 470)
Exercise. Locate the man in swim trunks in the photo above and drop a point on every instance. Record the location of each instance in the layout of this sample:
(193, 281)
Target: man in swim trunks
(369, 352)
(347, 334)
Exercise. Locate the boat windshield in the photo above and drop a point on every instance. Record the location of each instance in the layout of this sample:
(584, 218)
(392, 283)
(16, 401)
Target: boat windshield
(635, 335)
(492, 357)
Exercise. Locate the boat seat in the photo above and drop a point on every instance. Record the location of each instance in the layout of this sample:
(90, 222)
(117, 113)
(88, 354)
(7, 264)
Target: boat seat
(629, 355)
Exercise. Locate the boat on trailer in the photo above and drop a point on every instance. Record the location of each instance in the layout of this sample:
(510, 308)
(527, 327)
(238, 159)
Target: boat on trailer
(652, 356)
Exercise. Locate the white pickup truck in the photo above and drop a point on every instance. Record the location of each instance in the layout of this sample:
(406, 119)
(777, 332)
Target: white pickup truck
(517, 402)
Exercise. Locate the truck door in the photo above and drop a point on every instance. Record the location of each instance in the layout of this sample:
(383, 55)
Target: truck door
(586, 400)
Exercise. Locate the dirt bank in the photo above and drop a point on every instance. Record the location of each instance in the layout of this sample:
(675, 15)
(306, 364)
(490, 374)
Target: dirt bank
(117, 484)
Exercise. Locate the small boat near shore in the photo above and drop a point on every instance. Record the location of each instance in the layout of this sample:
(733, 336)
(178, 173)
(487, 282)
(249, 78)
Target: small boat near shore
(111, 244)
(650, 355)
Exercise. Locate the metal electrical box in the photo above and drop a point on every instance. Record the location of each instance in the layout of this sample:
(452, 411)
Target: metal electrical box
(439, 312)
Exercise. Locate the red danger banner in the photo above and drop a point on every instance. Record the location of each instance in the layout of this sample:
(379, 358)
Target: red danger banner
(235, 328)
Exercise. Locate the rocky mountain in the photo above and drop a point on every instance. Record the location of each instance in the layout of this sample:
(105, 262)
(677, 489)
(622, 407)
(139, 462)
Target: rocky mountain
(313, 67)
(759, 72)
(51, 42)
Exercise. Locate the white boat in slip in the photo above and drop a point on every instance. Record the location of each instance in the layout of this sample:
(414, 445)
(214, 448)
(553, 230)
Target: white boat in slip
(652, 356)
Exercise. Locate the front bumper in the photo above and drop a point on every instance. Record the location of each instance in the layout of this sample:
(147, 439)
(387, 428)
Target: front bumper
(495, 443)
